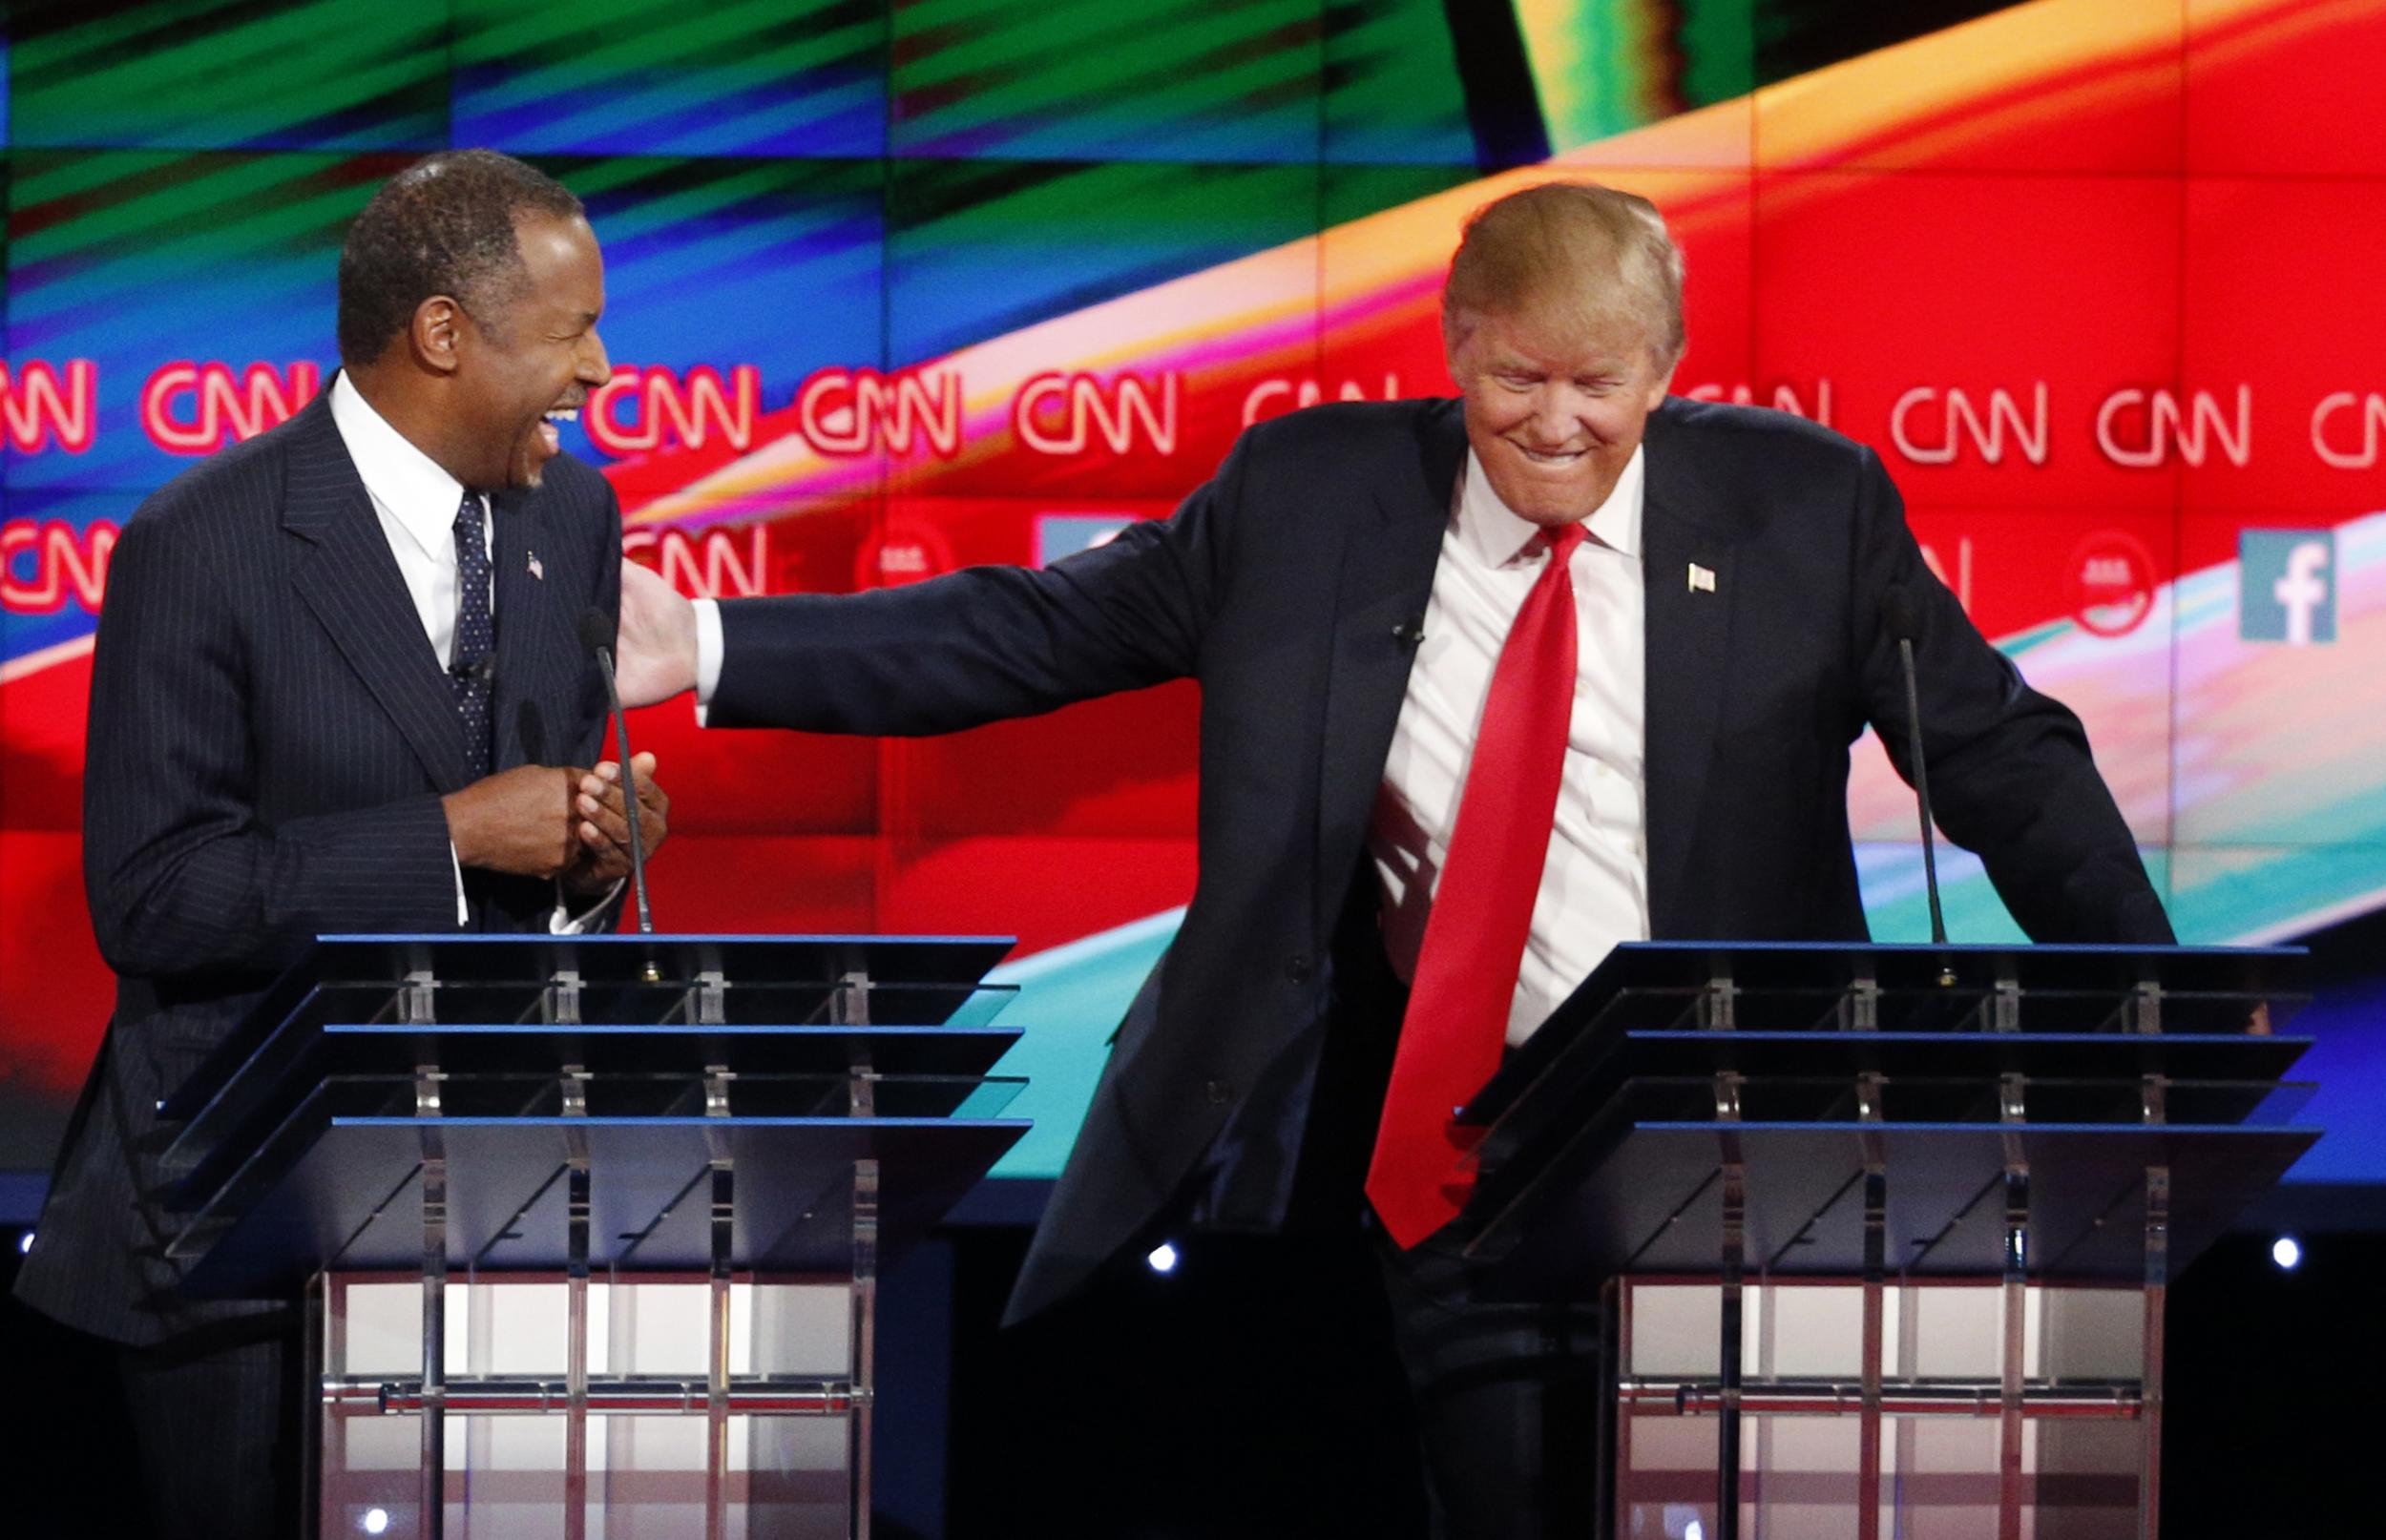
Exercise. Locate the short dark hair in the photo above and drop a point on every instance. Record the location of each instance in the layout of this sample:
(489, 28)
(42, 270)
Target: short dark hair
(443, 225)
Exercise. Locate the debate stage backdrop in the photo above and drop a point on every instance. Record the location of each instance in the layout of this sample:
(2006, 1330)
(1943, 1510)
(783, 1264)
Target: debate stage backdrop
(899, 287)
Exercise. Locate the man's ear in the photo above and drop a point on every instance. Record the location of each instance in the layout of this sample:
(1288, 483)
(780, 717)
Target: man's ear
(437, 333)
(1663, 383)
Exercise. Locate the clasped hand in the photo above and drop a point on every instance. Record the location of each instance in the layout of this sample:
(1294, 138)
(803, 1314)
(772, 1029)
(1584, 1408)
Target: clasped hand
(546, 820)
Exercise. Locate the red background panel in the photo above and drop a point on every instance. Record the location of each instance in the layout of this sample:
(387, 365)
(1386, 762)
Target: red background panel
(1885, 282)
(1037, 888)
(729, 884)
(2286, 293)
(54, 991)
(41, 747)
(1121, 766)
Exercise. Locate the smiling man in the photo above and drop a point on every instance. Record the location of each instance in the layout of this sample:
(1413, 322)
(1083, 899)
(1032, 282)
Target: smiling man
(338, 686)
(1488, 686)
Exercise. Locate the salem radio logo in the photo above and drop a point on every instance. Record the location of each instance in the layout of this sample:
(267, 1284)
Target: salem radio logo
(2112, 583)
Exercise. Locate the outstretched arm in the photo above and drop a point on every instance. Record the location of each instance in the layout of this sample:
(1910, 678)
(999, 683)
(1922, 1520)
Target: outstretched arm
(975, 646)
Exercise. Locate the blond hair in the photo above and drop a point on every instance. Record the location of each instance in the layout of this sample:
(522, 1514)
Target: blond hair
(1575, 259)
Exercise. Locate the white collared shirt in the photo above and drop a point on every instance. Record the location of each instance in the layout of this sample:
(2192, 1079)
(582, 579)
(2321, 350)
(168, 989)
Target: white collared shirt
(1594, 889)
(417, 501)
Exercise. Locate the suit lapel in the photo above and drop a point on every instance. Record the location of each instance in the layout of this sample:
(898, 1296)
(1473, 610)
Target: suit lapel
(530, 632)
(1688, 571)
(352, 582)
(1384, 580)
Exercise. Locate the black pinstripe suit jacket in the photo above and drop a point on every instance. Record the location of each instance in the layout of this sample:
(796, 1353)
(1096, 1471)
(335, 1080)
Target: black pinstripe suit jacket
(270, 736)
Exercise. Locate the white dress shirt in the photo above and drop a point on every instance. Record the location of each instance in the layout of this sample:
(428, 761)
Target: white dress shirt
(417, 501)
(1594, 889)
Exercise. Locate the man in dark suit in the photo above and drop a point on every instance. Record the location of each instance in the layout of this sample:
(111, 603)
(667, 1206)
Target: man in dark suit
(337, 680)
(1487, 686)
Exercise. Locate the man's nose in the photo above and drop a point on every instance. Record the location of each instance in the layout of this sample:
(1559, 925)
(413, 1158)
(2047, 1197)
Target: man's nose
(1553, 417)
(595, 367)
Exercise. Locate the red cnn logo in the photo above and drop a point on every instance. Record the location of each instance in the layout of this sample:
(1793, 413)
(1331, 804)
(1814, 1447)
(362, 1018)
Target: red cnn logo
(38, 411)
(65, 561)
(1061, 414)
(198, 408)
(846, 412)
(653, 408)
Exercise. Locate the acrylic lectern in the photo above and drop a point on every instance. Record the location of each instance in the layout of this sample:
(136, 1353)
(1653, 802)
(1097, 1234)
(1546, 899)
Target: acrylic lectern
(1883, 1233)
(588, 1229)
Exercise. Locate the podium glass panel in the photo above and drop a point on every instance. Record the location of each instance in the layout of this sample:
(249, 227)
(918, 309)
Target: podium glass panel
(1941, 1452)
(647, 1470)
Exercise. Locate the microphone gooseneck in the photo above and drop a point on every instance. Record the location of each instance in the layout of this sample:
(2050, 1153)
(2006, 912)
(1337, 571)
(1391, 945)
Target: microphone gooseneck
(596, 636)
(1901, 616)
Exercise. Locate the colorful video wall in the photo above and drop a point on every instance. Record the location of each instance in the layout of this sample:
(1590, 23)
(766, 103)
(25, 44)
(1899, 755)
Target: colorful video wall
(898, 287)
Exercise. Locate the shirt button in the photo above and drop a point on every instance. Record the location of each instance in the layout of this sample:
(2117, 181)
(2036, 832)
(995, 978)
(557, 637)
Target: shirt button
(1296, 967)
(1218, 1093)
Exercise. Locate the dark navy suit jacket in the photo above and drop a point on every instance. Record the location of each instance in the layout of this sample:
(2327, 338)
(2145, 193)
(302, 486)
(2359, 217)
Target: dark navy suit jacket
(1284, 586)
(271, 736)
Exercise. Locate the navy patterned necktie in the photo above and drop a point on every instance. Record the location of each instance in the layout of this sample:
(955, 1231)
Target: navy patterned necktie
(475, 636)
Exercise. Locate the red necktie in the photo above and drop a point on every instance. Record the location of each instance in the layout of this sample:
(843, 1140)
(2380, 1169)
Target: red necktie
(1466, 967)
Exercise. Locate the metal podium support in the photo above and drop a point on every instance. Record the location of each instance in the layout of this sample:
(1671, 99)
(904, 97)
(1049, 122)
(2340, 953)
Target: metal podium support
(535, 1187)
(1900, 1220)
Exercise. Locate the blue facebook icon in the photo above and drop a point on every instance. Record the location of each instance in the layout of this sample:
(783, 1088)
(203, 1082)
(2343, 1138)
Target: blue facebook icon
(2287, 585)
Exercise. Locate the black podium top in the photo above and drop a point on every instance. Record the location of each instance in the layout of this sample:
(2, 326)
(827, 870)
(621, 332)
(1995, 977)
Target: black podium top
(1796, 986)
(648, 1060)
(772, 982)
(2055, 1077)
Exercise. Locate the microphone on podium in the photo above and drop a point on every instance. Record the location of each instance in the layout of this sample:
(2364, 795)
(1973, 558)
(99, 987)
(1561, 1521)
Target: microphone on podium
(1902, 617)
(596, 636)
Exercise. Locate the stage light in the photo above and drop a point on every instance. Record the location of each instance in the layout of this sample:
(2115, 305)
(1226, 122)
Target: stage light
(1163, 1258)
(25, 1244)
(2287, 1252)
(376, 1520)
(1694, 1530)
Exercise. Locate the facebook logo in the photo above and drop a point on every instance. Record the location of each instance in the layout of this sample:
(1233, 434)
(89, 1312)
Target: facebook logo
(1065, 535)
(2287, 585)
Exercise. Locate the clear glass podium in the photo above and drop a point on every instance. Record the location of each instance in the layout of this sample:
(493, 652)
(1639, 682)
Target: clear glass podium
(589, 1228)
(1883, 1233)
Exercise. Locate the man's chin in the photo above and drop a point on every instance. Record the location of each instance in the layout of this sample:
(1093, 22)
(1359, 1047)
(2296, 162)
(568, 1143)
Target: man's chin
(1543, 499)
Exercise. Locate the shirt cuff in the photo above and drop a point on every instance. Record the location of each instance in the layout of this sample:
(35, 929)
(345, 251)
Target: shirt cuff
(564, 923)
(463, 910)
(707, 650)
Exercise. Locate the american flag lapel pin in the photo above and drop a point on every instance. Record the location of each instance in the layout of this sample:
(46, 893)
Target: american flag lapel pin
(1702, 579)
(538, 569)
